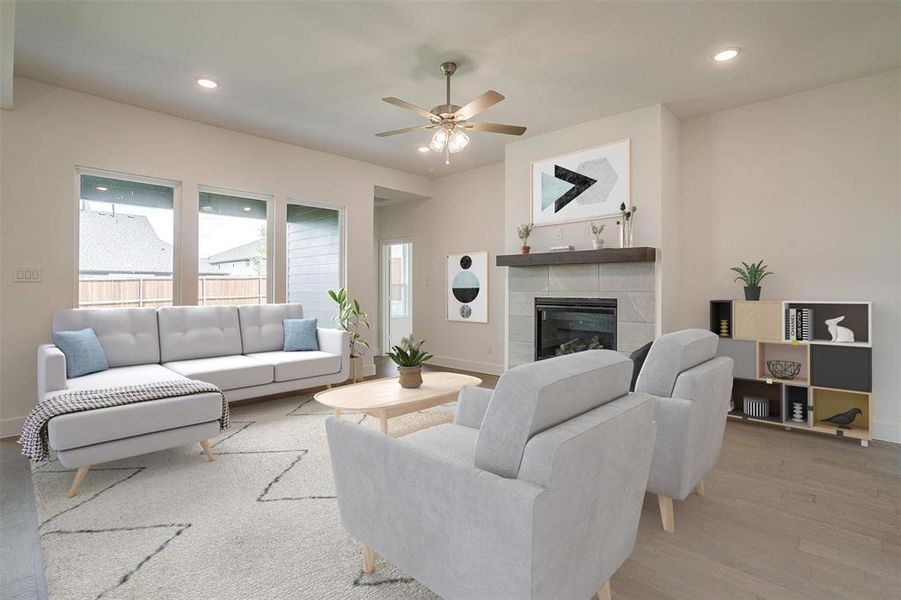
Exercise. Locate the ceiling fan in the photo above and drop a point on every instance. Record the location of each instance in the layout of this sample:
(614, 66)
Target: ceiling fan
(450, 121)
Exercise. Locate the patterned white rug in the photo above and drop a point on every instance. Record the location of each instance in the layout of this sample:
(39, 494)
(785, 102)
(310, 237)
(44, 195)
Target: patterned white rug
(260, 522)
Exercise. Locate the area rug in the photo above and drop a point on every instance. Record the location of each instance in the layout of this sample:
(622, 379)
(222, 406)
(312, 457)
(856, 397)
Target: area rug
(260, 522)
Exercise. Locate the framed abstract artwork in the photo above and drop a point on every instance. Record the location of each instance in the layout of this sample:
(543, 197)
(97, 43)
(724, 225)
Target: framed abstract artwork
(467, 287)
(581, 186)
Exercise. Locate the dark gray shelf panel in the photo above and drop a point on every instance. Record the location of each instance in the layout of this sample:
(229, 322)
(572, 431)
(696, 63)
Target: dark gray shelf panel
(579, 257)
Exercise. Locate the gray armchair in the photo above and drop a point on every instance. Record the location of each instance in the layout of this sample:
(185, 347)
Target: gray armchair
(534, 491)
(691, 388)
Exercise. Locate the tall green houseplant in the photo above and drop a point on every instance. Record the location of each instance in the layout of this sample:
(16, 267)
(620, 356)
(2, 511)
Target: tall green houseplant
(353, 320)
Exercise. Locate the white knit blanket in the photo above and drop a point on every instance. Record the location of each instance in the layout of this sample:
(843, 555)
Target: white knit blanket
(34, 433)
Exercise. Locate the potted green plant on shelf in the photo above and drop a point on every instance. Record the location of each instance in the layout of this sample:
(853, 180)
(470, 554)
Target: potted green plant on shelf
(409, 356)
(751, 274)
(524, 231)
(353, 320)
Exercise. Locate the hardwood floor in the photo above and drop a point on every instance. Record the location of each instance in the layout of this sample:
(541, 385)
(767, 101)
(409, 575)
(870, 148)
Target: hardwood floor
(785, 515)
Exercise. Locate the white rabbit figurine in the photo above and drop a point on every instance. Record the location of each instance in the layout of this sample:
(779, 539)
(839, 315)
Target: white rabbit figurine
(839, 333)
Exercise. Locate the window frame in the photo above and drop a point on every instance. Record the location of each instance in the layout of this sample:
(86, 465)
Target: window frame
(342, 238)
(269, 199)
(176, 224)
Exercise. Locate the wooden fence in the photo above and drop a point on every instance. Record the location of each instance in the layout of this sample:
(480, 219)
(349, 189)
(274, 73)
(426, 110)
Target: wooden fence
(157, 291)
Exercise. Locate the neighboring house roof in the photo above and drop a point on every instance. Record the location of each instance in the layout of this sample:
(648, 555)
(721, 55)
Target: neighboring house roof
(249, 251)
(122, 243)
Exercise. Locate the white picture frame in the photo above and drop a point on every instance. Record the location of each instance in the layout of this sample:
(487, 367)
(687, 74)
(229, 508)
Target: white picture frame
(466, 293)
(604, 174)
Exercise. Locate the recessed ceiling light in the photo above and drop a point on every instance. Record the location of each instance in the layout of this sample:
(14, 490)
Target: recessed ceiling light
(206, 82)
(423, 149)
(726, 54)
(247, 209)
(102, 188)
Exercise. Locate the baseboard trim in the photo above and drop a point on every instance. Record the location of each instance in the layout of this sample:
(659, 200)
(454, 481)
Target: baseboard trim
(11, 427)
(887, 431)
(467, 365)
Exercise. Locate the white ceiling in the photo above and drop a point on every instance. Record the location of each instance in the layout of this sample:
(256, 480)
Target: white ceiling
(313, 74)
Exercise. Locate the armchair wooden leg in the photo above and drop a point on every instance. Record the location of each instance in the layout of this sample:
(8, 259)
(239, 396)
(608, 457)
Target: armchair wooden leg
(604, 592)
(76, 483)
(205, 444)
(666, 513)
(368, 559)
(700, 489)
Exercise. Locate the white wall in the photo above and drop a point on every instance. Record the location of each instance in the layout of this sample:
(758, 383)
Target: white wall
(52, 130)
(465, 214)
(808, 182)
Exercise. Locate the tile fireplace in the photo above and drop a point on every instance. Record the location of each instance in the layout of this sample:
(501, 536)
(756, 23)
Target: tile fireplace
(568, 325)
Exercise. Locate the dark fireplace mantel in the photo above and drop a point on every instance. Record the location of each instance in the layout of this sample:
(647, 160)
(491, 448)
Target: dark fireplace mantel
(579, 257)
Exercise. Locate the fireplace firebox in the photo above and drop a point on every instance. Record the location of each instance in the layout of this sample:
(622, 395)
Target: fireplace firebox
(568, 325)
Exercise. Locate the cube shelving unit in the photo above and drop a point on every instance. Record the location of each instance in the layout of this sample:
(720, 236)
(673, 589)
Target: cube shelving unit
(835, 377)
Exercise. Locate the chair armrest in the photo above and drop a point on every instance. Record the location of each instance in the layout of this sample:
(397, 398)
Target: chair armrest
(674, 417)
(421, 510)
(471, 405)
(51, 369)
(333, 341)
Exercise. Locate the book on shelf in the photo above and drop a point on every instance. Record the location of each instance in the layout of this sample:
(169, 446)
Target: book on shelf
(799, 324)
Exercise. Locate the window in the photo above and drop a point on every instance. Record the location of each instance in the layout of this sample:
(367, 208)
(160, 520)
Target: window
(315, 258)
(232, 250)
(399, 275)
(125, 242)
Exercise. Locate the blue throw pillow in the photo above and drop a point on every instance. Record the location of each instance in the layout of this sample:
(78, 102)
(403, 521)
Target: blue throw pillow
(83, 352)
(300, 334)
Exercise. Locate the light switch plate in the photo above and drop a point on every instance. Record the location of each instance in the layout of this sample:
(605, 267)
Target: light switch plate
(28, 275)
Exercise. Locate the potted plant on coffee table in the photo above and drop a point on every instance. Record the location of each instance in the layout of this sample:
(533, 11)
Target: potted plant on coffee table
(409, 356)
(751, 274)
(353, 320)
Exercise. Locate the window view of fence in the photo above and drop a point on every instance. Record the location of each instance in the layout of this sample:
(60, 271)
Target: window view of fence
(232, 250)
(109, 292)
(125, 243)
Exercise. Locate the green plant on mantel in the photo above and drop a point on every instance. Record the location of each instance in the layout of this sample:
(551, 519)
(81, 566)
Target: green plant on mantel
(409, 352)
(351, 319)
(751, 274)
(524, 231)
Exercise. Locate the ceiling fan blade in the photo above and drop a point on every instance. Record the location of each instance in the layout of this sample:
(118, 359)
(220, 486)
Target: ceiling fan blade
(496, 128)
(486, 100)
(412, 108)
(404, 130)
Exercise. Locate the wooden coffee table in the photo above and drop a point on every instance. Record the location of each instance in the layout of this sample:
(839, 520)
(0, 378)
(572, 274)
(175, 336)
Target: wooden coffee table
(385, 399)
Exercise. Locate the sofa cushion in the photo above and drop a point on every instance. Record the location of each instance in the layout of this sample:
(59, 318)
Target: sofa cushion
(82, 350)
(300, 335)
(225, 372)
(262, 328)
(299, 365)
(188, 332)
(129, 336)
(672, 354)
(119, 376)
(533, 397)
(79, 429)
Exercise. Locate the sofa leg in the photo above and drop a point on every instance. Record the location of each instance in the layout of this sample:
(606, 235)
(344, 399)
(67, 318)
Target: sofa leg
(700, 489)
(368, 559)
(205, 444)
(604, 592)
(76, 483)
(666, 513)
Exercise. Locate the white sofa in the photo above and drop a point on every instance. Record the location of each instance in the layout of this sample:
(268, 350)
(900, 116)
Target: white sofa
(238, 349)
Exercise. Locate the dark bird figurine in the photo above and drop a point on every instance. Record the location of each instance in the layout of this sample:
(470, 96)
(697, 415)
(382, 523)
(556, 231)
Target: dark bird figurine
(843, 420)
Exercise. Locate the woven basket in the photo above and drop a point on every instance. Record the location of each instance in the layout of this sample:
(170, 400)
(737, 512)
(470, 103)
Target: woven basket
(783, 369)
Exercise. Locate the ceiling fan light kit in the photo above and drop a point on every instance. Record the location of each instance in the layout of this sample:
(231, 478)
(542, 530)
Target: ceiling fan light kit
(450, 120)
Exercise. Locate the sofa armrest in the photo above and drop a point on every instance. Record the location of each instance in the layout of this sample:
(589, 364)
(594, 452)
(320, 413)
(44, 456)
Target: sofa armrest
(471, 405)
(333, 341)
(51, 369)
(423, 512)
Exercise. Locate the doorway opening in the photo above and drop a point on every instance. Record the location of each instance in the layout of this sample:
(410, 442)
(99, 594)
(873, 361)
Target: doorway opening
(396, 297)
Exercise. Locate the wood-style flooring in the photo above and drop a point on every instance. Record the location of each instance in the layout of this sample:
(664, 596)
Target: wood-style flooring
(787, 515)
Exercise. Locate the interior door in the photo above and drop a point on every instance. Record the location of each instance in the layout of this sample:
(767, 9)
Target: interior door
(397, 269)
